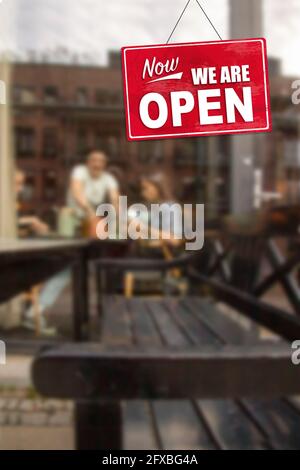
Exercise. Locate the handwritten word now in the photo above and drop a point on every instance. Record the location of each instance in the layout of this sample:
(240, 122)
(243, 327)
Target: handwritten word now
(157, 68)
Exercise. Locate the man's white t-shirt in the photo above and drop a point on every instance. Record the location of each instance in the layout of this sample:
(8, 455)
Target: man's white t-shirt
(96, 189)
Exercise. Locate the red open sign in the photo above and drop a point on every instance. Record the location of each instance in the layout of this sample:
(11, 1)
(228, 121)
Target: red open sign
(194, 89)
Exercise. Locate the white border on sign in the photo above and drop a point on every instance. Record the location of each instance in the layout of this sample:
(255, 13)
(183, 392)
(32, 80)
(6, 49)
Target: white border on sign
(233, 131)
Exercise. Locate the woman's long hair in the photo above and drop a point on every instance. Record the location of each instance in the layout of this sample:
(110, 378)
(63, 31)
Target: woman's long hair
(162, 184)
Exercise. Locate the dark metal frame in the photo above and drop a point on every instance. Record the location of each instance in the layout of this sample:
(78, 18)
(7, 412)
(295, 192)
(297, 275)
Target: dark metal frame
(282, 269)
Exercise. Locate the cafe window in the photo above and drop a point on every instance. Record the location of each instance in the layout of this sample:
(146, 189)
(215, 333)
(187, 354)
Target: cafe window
(50, 143)
(51, 95)
(25, 142)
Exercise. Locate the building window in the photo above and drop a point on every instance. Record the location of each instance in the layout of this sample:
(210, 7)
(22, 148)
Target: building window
(222, 158)
(30, 187)
(101, 97)
(100, 143)
(50, 142)
(82, 142)
(113, 148)
(115, 98)
(109, 144)
(107, 98)
(50, 185)
(28, 192)
(82, 97)
(50, 95)
(24, 95)
(114, 59)
(25, 142)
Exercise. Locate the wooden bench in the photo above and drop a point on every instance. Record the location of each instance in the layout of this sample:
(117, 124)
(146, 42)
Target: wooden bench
(164, 371)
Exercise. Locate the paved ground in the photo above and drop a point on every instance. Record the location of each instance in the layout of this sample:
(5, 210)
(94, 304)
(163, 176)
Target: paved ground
(36, 438)
(26, 420)
(29, 422)
(16, 372)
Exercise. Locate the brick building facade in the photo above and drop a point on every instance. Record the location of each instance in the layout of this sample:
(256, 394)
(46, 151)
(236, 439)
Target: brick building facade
(60, 111)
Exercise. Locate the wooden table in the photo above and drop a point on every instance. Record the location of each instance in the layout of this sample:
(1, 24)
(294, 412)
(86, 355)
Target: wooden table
(25, 263)
(162, 349)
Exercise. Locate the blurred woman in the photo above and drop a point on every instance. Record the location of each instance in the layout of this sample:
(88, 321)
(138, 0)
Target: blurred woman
(155, 189)
(165, 225)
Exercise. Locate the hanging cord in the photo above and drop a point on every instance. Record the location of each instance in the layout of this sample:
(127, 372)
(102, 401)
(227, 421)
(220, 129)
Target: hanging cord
(178, 21)
(209, 20)
(205, 14)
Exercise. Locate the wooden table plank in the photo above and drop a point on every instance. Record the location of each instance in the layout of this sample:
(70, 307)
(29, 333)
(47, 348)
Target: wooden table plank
(144, 329)
(171, 333)
(225, 328)
(279, 420)
(116, 323)
(180, 427)
(196, 330)
(231, 428)
(16, 248)
(125, 373)
(138, 430)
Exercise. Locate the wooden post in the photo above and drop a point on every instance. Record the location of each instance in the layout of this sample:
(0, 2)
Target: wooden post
(7, 166)
(80, 298)
(9, 313)
(98, 425)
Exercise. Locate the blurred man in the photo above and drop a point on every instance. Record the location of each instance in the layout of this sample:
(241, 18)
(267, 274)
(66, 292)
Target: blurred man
(91, 186)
